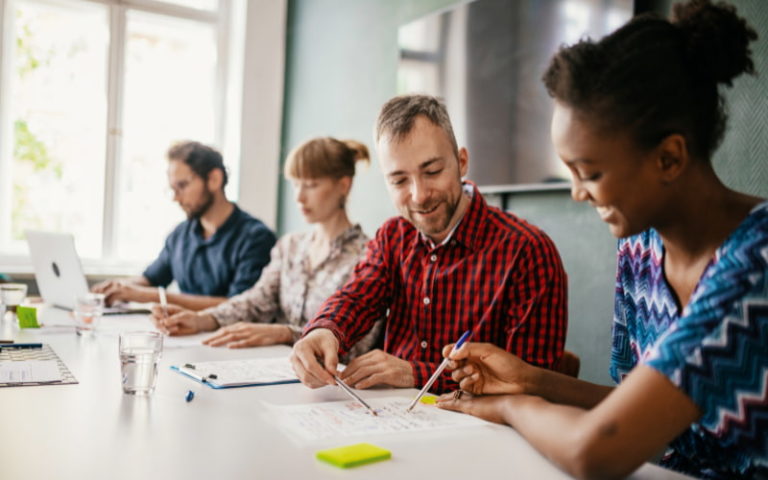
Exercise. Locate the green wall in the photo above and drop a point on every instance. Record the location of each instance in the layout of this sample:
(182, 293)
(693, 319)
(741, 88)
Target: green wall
(341, 66)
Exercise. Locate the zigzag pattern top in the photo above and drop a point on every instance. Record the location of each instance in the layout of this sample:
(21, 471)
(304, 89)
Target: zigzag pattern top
(715, 350)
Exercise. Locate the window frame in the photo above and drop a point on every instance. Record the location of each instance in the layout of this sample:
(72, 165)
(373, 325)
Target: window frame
(221, 20)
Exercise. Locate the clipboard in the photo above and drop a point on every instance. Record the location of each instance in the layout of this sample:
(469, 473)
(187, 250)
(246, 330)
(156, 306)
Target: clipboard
(31, 354)
(252, 372)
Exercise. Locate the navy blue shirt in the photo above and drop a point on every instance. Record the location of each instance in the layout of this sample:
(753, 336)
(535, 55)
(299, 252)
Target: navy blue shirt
(227, 263)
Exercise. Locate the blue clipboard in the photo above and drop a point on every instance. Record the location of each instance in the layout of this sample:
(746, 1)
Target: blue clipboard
(215, 383)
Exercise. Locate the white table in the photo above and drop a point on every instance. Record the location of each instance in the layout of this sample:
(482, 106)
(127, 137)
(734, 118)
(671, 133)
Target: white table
(92, 431)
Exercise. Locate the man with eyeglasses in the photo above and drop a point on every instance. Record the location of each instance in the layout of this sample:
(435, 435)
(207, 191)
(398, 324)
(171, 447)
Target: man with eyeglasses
(218, 252)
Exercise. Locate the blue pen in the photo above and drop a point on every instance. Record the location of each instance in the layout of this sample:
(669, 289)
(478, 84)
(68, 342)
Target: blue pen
(21, 345)
(439, 370)
(189, 396)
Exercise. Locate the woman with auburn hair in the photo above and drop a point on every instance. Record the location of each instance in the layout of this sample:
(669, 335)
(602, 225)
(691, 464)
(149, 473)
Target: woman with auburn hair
(305, 268)
(637, 118)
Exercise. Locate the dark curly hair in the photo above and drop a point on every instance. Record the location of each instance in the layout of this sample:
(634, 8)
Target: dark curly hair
(655, 77)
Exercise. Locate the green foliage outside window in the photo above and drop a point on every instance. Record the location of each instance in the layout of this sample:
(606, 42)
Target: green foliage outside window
(28, 148)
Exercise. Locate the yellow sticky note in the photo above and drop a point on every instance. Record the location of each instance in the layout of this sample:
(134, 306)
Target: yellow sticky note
(353, 455)
(27, 317)
(429, 399)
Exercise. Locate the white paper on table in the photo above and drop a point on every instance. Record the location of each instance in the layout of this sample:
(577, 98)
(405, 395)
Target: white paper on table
(30, 371)
(185, 341)
(251, 371)
(319, 421)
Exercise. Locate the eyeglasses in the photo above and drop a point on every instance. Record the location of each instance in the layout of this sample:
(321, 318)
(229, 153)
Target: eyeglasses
(179, 187)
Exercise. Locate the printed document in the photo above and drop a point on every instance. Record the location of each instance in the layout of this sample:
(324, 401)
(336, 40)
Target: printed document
(319, 421)
(30, 371)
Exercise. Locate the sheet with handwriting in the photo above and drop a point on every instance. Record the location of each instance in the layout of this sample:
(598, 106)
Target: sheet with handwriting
(319, 421)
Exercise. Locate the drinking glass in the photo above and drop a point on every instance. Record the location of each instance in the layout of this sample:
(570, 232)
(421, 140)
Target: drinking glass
(88, 311)
(11, 296)
(139, 354)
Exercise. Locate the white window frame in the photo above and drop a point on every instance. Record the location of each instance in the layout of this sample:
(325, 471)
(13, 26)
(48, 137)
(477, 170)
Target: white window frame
(253, 72)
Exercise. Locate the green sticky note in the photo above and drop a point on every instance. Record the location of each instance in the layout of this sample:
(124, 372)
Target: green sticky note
(27, 317)
(353, 455)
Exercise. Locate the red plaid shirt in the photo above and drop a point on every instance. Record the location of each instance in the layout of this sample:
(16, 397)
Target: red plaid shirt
(432, 294)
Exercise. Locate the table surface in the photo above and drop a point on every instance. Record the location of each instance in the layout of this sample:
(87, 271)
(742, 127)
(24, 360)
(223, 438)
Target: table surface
(91, 430)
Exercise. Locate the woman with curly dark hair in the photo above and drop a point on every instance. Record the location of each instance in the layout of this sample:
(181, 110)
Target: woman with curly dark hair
(637, 118)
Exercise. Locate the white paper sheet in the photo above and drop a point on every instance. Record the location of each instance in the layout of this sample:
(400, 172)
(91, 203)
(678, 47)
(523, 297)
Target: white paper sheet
(30, 371)
(251, 371)
(319, 421)
(185, 341)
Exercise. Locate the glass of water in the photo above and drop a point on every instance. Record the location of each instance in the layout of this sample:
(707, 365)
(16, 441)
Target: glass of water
(11, 296)
(88, 311)
(139, 354)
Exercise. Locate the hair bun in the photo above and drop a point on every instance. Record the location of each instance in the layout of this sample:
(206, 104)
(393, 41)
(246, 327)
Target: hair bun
(717, 39)
(359, 150)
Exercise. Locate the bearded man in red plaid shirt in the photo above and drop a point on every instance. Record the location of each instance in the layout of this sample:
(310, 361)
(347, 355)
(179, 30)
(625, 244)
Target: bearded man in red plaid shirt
(449, 263)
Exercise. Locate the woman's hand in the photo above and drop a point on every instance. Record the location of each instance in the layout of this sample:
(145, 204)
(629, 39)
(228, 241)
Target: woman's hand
(175, 320)
(491, 407)
(243, 335)
(483, 368)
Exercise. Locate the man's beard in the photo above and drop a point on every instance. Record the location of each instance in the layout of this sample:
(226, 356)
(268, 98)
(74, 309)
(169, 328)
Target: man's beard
(204, 206)
(439, 225)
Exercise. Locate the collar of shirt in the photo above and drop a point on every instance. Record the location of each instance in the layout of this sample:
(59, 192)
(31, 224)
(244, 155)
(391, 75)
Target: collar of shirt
(337, 245)
(464, 232)
(347, 235)
(229, 223)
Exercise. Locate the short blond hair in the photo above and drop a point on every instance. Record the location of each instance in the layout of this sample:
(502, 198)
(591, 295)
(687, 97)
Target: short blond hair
(398, 114)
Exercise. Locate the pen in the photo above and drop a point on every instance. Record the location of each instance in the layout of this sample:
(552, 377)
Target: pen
(352, 394)
(21, 345)
(439, 370)
(163, 300)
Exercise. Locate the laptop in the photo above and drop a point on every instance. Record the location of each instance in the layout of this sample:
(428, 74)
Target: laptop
(59, 273)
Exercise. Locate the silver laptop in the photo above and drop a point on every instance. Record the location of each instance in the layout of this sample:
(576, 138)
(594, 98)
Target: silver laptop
(58, 270)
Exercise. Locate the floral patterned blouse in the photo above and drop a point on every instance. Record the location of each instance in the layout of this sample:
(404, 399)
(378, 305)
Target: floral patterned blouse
(290, 291)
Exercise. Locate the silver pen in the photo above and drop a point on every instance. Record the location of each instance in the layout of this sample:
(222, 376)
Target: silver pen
(439, 370)
(352, 394)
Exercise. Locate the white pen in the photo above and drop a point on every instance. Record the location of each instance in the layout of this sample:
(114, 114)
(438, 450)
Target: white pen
(439, 370)
(163, 300)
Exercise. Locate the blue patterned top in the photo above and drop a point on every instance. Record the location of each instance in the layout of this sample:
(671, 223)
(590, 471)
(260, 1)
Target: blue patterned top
(716, 351)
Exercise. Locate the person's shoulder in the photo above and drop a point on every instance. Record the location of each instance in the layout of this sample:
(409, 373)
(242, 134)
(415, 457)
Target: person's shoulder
(756, 222)
(748, 244)
(512, 228)
(183, 228)
(357, 240)
(291, 241)
(249, 225)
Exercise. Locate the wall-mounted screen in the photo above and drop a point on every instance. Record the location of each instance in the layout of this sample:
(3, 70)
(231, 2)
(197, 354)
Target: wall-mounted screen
(485, 58)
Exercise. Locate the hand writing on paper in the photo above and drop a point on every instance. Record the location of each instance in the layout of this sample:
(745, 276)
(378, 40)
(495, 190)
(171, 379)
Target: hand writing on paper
(378, 368)
(181, 321)
(316, 357)
(242, 335)
(483, 368)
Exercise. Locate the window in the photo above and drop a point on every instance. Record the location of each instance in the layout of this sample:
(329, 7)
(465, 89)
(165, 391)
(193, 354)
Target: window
(92, 94)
